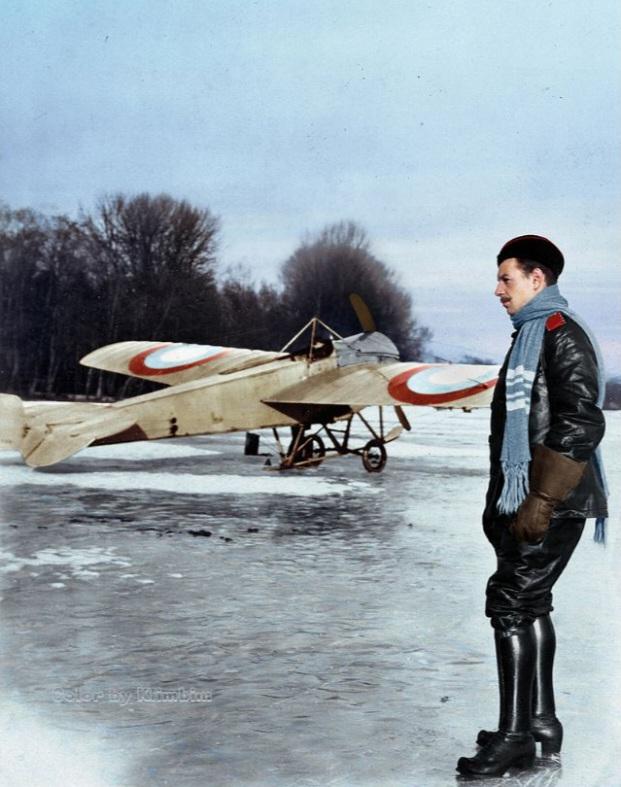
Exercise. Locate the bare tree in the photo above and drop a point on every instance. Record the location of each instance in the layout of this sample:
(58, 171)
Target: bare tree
(147, 249)
(23, 238)
(154, 260)
(46, 301)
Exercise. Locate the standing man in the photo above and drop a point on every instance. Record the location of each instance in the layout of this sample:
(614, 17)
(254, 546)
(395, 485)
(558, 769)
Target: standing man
(546, 478)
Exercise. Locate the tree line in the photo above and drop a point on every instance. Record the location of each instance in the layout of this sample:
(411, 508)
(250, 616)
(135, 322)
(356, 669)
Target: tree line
(147, 267)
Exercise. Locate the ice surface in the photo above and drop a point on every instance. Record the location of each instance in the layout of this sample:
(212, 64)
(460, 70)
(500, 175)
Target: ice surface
(189, 619)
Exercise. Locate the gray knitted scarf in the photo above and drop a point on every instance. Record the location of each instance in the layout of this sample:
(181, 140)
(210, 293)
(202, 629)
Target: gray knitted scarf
(530, 320)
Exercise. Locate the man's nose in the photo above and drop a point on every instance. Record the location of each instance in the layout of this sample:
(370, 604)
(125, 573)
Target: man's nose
(499, 289)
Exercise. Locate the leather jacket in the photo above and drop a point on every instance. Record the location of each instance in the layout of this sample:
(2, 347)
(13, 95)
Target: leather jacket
(563, 416)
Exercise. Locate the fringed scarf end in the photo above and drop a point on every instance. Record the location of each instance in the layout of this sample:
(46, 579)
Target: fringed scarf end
(599, 536)
(515, 487)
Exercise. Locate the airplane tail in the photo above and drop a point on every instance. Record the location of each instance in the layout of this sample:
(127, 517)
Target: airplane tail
(52, 432)
(12, 422)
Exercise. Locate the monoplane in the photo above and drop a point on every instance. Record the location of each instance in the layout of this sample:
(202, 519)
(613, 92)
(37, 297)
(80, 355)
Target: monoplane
(316, 388)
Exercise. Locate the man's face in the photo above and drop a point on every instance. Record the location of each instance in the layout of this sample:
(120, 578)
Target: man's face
(515, 288)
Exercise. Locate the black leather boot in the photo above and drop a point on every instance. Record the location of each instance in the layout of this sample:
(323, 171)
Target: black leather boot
(485, 736)
(513, 745)
(545, 726)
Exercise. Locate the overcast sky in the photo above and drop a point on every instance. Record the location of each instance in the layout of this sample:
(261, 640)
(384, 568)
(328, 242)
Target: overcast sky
(443, 128)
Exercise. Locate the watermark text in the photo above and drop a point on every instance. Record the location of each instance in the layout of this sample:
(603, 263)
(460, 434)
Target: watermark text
(131, 695)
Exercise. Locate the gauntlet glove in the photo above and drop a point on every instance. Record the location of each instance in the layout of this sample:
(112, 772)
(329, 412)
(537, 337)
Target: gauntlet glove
(552, 478)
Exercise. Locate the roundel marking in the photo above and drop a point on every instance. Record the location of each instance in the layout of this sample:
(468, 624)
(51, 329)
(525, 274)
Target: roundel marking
(429, 385)
(170, 358)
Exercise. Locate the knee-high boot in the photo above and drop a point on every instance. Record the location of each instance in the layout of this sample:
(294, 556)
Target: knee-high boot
(513, 745)
(485, 736)
(544, 725)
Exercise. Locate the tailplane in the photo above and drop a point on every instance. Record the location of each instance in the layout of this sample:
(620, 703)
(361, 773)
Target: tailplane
(46, 444)
(48, 432)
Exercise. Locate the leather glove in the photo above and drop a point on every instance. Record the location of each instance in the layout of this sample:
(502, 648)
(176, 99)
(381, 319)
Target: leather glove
(552, 478)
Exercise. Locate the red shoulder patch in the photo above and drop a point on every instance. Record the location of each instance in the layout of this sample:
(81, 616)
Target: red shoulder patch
(555, 321)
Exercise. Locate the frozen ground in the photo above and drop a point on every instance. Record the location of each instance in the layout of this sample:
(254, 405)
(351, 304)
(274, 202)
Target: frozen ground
(329, 631)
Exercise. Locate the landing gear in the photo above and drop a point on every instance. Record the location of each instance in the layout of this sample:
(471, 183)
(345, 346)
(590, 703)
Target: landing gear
(309, 449)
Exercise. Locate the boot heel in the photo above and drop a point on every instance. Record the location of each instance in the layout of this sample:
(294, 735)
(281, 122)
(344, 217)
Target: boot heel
(549, 733)
(527, 761)
(551, 746)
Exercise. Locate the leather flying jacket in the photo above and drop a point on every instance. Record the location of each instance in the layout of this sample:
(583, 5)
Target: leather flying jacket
(563, 416)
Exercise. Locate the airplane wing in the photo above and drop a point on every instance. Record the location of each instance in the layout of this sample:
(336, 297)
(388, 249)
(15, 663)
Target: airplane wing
(436, 385)
(172, 363)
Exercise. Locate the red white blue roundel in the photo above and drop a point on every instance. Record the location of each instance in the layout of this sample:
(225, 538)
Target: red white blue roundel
(429, 385)
(169, 358)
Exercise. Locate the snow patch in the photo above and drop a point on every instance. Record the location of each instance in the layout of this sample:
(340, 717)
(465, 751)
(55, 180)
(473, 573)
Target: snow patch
(185, 483)
(154, 449)
(35, 754)
(75, 560)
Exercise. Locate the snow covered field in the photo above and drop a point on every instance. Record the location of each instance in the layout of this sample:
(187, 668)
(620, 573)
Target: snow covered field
(175, 614)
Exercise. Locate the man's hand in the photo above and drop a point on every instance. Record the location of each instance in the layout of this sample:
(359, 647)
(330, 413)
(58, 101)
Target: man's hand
(552, 478)
(532, 519)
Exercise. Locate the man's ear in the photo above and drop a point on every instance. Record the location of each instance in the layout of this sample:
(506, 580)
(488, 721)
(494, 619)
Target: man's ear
(538, 277)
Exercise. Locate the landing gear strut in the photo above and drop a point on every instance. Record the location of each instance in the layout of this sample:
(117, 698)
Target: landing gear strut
(309, 449)
(304, 449)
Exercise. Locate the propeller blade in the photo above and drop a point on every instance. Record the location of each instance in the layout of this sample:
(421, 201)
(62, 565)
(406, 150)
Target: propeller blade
(365, 318)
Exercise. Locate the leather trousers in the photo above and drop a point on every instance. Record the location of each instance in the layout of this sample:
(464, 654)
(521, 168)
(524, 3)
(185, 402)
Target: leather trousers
(520, 589)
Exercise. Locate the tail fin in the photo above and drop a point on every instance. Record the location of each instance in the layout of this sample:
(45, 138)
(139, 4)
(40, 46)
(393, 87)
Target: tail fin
(12, 422)
(49, 442)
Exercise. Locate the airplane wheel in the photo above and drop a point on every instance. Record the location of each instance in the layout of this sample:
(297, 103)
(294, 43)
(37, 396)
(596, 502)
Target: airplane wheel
(313, 448)
(374, 456)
